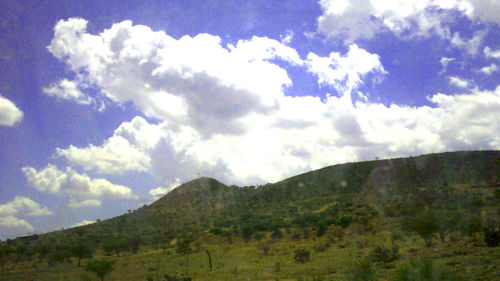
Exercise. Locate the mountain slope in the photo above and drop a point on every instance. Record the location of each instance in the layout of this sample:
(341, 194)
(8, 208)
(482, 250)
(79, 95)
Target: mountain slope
(336, 194)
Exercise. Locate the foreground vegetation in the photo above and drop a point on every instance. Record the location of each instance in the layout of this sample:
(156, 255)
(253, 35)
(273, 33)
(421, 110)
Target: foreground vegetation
(434, 217)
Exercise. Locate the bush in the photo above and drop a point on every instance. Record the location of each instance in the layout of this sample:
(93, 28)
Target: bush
(177, 277)
(302, 256)
(383, 255)
(277, 234)
(344, 221)
(100, 267)
(335, 233)
(425, 224)
(363, 270)
(425, 270)
(478, 239)
(265, 246)
(397, 236)
(491, 237)
(321, 245)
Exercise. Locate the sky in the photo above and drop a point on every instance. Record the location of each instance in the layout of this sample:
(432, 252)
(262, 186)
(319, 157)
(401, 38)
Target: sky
(108, 105)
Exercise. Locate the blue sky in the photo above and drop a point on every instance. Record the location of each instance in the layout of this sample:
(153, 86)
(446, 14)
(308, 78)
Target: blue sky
(106, 106)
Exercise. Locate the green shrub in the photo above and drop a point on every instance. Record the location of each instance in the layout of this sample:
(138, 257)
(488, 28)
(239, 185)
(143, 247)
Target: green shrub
(335, 233)
(425, 224)
(363, 270)
(302, 255)
(491, 237)
(100, 267)
(321, 245)
(277, 234)
(397, 236)
(425, 270)
(381, 254)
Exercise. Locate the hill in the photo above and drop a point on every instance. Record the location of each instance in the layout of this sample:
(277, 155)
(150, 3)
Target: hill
(363, 198)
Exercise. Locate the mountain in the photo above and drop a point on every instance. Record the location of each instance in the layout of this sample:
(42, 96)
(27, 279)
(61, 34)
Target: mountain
(205, 203)
(340, 192)
(458, 192)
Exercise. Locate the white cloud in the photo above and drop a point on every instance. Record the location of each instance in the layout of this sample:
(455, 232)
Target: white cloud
(73, 204)
(344, 72)
(488, 70)
(351, 20)
(221, 111)
(23, 206)
(82, 223)
(287, 37)
(116, 155)
(488, 53)
(486, 11)
(194, 81)
(9, 113)
(160, 191)
(444, 63)
(306, 133)
(53, 180)
(458, 82)
(11, 226)
(357, 19)
(472, 45)
(68, 90)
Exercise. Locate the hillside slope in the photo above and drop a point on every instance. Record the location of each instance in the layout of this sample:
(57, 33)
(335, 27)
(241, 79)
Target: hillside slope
(327, 194)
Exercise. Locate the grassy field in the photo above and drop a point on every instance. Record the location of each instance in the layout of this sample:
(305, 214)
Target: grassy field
(330, 259)
(355, 221)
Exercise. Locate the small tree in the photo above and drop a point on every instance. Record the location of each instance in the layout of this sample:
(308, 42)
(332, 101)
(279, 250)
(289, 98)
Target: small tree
(383, 255)
(5, 251)
(448, 222)
(363, 270)
(134, 243)
(81, 251)
(183, 247)
(59, 254)
(114, 244)
(100, 267)
(43, 251)
(425, 225)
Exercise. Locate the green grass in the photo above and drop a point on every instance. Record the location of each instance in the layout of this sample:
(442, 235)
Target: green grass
(245, 261)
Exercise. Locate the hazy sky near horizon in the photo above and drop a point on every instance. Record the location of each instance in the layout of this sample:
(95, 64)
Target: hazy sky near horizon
(107, 105)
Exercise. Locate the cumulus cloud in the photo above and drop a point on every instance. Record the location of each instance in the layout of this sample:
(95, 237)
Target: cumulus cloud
(220, 111)
(472, 45)
(193, 81)
(82, 223)
(11, 226)
(458, 82)
(73, 204)
(68, 90)
(161, 190)
(23, 206)
(356, 19)
(9, 113)
(488, 70)
(351, 20)
(307, 133)
(69, 182)
(344, 72)
(489, 53)
(444, 63)
(116, 155)
(486, 11)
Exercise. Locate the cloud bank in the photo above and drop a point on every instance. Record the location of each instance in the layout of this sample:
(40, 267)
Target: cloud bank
(221, 110)
(70, 183)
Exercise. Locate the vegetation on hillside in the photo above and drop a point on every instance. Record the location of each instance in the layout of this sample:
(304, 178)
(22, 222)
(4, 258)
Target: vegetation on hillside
(397, 219)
